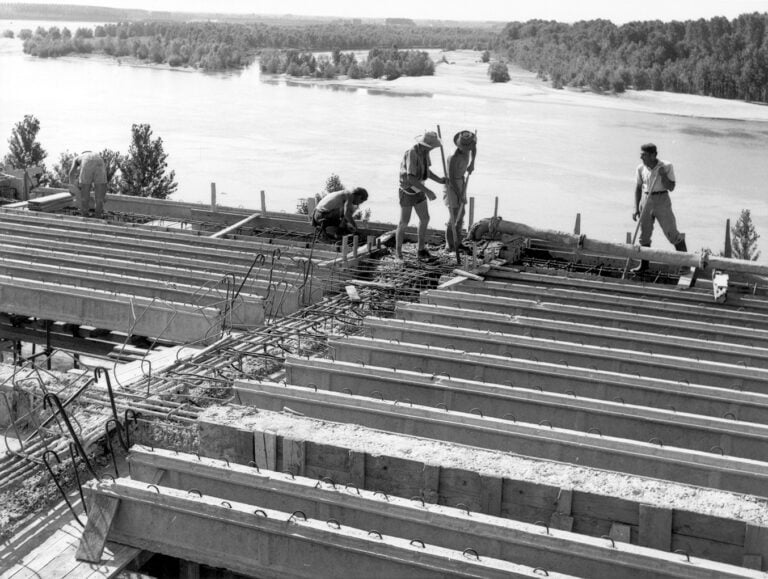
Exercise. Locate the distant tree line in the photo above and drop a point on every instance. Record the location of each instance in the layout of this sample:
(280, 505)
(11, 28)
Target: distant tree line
(220, 45)
(716, 57)
(381, 63)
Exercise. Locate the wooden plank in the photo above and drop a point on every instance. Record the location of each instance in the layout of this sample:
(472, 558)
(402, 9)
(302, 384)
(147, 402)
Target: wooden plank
(100, 514)
(620, 532)
(430, 483)
(756, 547)
(491, 494)
(357, 468)
(265, 450)
(655, 527)
(294, 456)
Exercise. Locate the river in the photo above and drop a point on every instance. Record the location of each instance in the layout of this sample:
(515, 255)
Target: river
(547, 155)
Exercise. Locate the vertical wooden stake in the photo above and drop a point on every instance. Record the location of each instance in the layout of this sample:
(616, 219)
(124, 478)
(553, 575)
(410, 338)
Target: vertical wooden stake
(355, 246)
(263, 203)
(728, 252)
(213, 197)
(471, 212)
(629, 238)
(495, 207)
(577, 227)
(344, 249)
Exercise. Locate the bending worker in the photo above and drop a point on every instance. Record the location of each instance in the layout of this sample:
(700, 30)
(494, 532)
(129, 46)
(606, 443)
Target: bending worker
(334, 215)
(655, 180)
(89, 169)
(413, 194)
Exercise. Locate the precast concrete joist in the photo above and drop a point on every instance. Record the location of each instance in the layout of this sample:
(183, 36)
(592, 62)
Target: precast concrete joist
(713, 313)
(600, 316)
(611, 286)
(540, 441)
(586, 334)
(67, 224)
(571, 353)
(670, 427)
(453, 528)
(264, 542)
(171, 321)
(209, 295)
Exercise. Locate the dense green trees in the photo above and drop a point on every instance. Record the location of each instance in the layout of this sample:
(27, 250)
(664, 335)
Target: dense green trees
(221, 45)
(715, 57)
(144, 168)
(386, 63)
(24, 150)
(745, 238)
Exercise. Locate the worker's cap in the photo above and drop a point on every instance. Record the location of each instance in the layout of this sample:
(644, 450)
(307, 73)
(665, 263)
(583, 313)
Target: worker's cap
(465, 139)
(429, 139)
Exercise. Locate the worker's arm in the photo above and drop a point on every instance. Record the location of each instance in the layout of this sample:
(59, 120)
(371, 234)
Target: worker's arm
(74, 171)
(417, 185)
(471, 166)
(667, 176)
(349, 212)
(638, 195)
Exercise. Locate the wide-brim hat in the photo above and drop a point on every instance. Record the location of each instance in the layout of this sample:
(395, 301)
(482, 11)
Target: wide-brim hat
(465, 139)
(429, 139)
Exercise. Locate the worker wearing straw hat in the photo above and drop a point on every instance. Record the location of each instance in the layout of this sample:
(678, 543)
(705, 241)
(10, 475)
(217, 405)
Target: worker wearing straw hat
(455, 194)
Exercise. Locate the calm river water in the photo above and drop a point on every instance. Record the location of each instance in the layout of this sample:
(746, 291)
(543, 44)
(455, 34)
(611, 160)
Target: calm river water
(547, 159)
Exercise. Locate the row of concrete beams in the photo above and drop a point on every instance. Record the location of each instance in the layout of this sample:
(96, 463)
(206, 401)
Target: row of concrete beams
(604, 315)
(453, 528)
(648, 511)
(534, 440)
(171, 236)
(172, 321)
(613, 286)
(246, 309)
(683, 429)
(264, 542)
(573, 353)
(574, 242)
(545, 376)
(645, 305)
(585, 334)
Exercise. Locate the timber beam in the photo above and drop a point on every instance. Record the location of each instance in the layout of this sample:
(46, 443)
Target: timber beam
(533, 440)
(264, 541)
(604, 316)
(556, 351)
(452, 528)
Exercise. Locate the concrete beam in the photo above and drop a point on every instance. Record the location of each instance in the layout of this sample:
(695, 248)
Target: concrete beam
(610, 418)
(560, 352)
(282, 545)
(586, 334)
(541, 441)
(451, 528)
(600, 316)
(170, 321)
(711, 313)
(584, 382)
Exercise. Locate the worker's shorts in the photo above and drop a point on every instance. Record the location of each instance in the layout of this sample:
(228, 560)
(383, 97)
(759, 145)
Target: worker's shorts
(411, 199)
(93, 170)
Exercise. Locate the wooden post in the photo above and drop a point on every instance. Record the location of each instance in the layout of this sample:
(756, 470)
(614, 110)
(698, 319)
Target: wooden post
(213, 197)
(728, 251)
(629, 238)
(577, 227)
(471, 212)
(355, 246)
(495, 207)
(311, 204)
(263, 203)
(344, 249)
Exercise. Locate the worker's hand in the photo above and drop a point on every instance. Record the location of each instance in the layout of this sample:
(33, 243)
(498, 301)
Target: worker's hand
(471, 168)
(430, 195)
(636, 215)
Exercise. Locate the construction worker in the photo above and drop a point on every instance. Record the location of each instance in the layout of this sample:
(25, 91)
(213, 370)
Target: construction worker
(455, 193)
(655, 180)
(89, 169)
(413, 194)
(334, 215)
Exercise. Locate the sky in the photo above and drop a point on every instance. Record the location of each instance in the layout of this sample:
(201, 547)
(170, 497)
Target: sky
(619, 11)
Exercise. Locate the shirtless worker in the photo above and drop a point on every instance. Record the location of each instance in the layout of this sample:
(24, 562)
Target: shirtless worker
(334, 215)
(89, 169)
(455, 195)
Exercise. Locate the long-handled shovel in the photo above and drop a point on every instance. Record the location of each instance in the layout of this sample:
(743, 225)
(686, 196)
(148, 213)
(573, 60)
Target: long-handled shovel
(450, 217)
